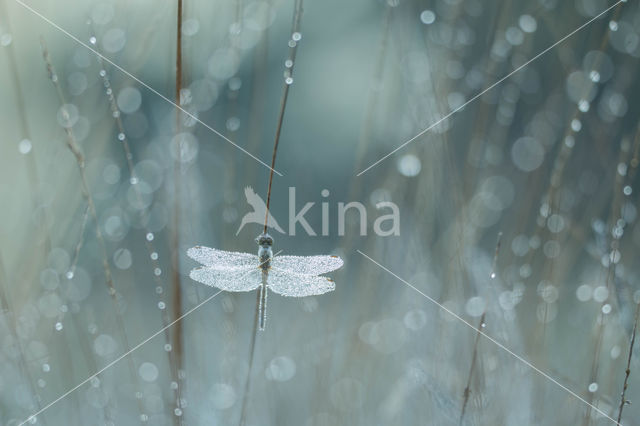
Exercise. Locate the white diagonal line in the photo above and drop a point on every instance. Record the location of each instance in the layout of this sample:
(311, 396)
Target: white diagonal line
(121, 357)
(151, 89)
(492, 86)
(494, 341)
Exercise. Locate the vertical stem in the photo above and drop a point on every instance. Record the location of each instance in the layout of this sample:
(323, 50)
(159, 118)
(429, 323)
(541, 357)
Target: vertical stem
(628, 369)
(467, 389)
(175, 235)
(293, 46)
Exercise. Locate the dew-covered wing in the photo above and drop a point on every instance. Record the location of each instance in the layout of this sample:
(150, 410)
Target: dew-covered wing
(220, 259)
(298, 285)
(307, 265)
(229, 280)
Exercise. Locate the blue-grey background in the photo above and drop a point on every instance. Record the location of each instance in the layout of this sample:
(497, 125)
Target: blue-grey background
(547, 158)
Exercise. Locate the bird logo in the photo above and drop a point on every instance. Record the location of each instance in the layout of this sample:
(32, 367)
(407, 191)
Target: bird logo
(259, 212)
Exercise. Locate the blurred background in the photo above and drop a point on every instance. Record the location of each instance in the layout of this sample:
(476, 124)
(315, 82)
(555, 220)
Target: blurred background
(518, 213)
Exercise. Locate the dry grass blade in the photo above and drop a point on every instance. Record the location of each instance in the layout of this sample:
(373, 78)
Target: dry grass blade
(467, 389)
(627, 371)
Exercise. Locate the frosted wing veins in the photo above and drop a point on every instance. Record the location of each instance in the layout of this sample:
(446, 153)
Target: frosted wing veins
(297, 285)
(307, 265)
(230, 279)
(222, 260)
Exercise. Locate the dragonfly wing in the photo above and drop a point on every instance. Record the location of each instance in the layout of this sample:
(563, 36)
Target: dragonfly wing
(220, 259)
(229, 280)
(307, 265)
(289, 284)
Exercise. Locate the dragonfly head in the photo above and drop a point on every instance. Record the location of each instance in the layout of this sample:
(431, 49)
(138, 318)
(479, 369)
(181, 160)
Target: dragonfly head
(264, 240)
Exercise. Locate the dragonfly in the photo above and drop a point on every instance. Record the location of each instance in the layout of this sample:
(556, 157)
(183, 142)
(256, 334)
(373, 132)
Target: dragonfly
(292, 276)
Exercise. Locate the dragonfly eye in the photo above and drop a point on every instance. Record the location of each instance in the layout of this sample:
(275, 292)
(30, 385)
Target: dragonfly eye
(264, 239)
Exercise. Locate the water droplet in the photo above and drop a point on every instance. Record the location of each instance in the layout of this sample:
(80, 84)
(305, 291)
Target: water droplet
(288, 80)
(67, 115)
(122, 258)
(59, 326)
(527, 154)
(114, 40)
(576, 125)
(104, 345)
(6, 39)
(528, 23)
(427, 17)
(224, 63)
(190, 27)
(150, 236)
(233, 124)
(584, 292)
(281, 369)
(600, 294)
(148, 372)
(24, 146)
(49, 279)
(409, 165)
(95, 382)
(475, 306)
(161, 305)
(129, 100)
(593, 387)
(415, 319)
(222, 396)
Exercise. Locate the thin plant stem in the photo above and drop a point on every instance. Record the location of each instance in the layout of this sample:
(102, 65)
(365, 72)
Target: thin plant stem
(293, 45)
(175, 234)
(467, 389)
(76, 251)
(289, 64)
(627, 371)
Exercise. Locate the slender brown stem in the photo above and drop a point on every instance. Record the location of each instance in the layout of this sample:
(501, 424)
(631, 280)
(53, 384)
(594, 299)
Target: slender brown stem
(467, 389)
(627, 371)
(293, 46)
(175, 235)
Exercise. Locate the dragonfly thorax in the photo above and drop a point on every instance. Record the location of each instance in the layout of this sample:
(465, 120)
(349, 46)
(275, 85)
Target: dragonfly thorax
(265, 241)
